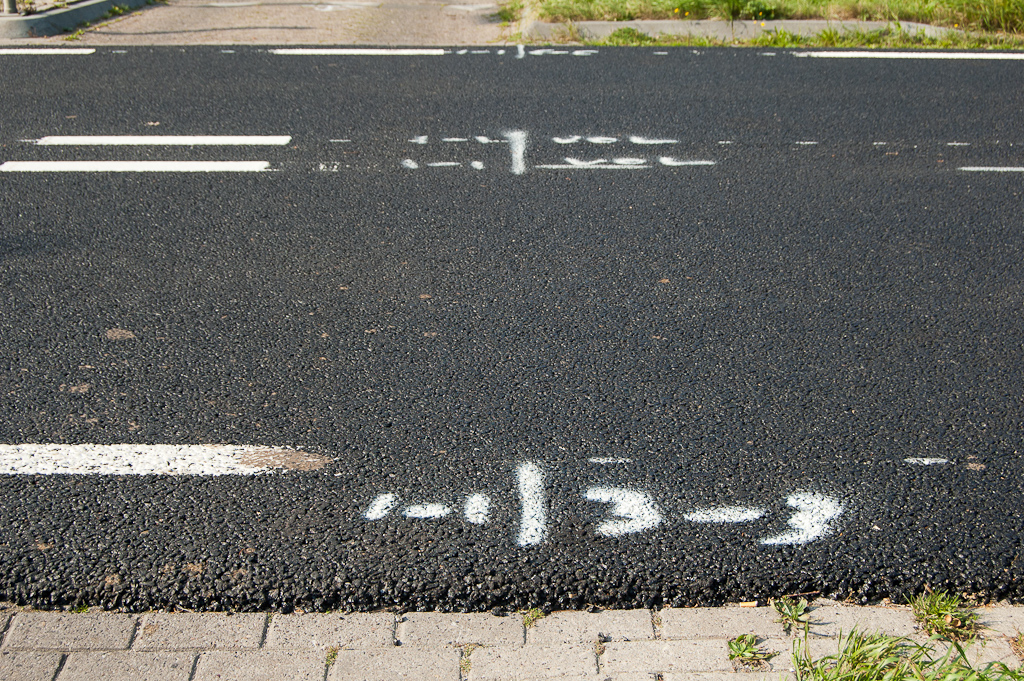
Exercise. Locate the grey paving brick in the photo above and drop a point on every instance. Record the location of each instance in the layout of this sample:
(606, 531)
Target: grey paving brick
(982, 651)
(726, 676)
(69, 631)
(206, 631)
(1004, 619)
(28, 666)
(425, 629)
(729, 622)
(659, 657)
(583, 627)
(320, 631)
(261, 665)
(403, 663)
(831, 619)
(534, 662)
(127, 666)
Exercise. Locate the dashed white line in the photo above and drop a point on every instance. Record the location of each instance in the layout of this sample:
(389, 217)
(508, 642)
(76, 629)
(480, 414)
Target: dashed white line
(427, 511)
(992, 169)
(532, 525)
(164, 140)
(134, 166)
(806, 143)
(926, 461)
(958, 144)
(861, 54)
(609, 459)
(46, 50)
(444, 164)
(454, 139)
(359, 52)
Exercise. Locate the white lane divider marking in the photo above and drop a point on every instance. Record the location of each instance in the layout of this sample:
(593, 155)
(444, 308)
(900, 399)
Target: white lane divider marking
(124, 459)
(426, 511)
(958, 144)
(164, 140)
(477, 509)
(992, 169)
(381, 506)
(533, 523)
(814, 513)
(609, 459)
(358, 52)
(517, 146)
(669, 161)
(645, 140)
(46, 50)
(726, 514)
(134, 166)
(806, 144)
(634, 509)
(863, 54)
(926, 460)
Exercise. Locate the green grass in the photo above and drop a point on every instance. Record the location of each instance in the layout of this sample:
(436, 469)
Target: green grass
(945, 616)
(511, 11)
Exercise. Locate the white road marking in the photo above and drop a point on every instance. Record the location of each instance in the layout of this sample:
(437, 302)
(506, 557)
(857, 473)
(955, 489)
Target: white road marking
(421, 139)
(45, 50)
(164, 140)
(725, 142)
(926, 460)
(517, 146)
(487, 140)
(602, 140)
(520, 52)
(533, 524)
(636, 510)
(578, 166)
(381, 506)
(477, 165)
(426, 511)
(606, 459)
(726, 514)
(339, 141)
(126, 459)
(477, 509)
(444, 164)
(566, 140)
(661, 54)
(410, 164)
(359, 52)
(546, 51)
(814, 513)
(134, 166)
(958, 144)
(454, 139)
(879, 144)
(669, 161)
(806, 144)
(646, 140)
(992, 169)
(863, 54)
(766, 54)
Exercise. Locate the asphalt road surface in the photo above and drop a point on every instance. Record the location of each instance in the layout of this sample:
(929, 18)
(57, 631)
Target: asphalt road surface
(542, 328)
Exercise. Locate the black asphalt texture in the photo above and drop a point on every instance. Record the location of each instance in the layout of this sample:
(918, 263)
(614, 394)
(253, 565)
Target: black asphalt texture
(794, 318)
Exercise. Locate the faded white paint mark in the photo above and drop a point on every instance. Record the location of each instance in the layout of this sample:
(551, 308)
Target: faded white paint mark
(482, 139)
(454, 139)
(444, 164)
(479, 51)
(477, 509)
(421, 139)
(410, 164)
(926, 460)
(520, 52)
(567, 140)
(501, 51)
(634, 509)
(880, 144)
(358, 52)
(517, 146)
(583, 53)
(476, 165)
(575, 164)
(227, 51)
(134, 166)
(669, 161)
(725, 141)
(646, 140)
(45, 50)
(661, 54)
(426, 511)
(812, 520)
(726, 514)
(164, 140)
(533, 524)
(629, 161)
(127, 459)
(958, 144)
(859, 54)
(462, 52)
(381, 506)
(339, 141)
(766, 54)
(546, 51)
(806, 143)
(608, 459)
(982, 169)
(602, 140)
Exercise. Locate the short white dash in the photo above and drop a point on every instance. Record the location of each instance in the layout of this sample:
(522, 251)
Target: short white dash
(982, 169)
(410, 164)
(958, 144)
(477, 509)
(164, 140)
(426, 511)
(477, 165)
(227, 51)
(726, 514)
(669, 161)
(479, 51)
(602, 140)
(454, 139)
(358, 52)
(766, 54)
(45, 50)
(381, 506)
(119, 52)
(661, 54)
(517, 146)
(420, 139)
(608, 459)
(725, 141)
(501, 51)
(863, 54)
(134, 166)
(461, 51)
(925, 460)
(880, 144)
(651, 140)
(533, 523)
(483, 139)
(339, 141)
(444, 164)
(806, 143)
(573, 139)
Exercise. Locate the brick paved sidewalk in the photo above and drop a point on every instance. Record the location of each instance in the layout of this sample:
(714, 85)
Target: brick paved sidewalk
(622, 645)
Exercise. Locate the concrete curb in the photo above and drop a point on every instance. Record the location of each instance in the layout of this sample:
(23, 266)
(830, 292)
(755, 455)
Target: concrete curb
(55, 21)
(722, 30)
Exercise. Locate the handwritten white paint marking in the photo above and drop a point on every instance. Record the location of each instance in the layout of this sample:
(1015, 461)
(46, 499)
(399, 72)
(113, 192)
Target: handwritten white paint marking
(567, 140)
(134, 166)
(576, 164)
(661, 54)
(987, 169)
(479, 51)
(477, 165)
(635, 509)
(669, 161)
(501, 51)
(958, 144)
(726, 514)
(454, 139)
(462, 52)
(602, 140)
(806, 144)
(517, 146)
(477, 509)
(410, 164)
(358, 52)
(646, 140)
(125, 459)
(227, 51)
(766, 54)
(520, 52)
(421, 139)
(444, 164)
(814, 513)
(381, 506)
(426, 511)
(926, 461)
(164, 140)
(608, 459)
(533, 524)
(860, 54)
(45, 50)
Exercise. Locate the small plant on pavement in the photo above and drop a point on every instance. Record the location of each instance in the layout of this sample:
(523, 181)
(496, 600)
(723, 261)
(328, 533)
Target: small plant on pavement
(792, 613)
(944, 615)
(531, 616)
(743, 650)
(332, 655)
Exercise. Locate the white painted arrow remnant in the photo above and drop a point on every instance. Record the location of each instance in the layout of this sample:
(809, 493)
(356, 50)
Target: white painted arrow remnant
(381, 506)
(426, 511)
(477, 509)
(635, 510)
(533, 524)
(725, 514)
(812, 520)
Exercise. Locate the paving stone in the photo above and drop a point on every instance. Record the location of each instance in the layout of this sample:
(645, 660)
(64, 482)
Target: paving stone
(831, 619)
(725, 676)
(1004, 619)
(425, 629)
(28, 666)
(69, 631)
(583, 627)
(261, 665)
(320, 631)
(206, 631)
(403, 663)
(728, 622)
(659, 657)
(982, 652)
(128, 666)
(534, 662)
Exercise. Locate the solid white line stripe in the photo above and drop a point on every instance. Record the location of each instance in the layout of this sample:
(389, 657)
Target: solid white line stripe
(46, 50)
(360, 51)
(168, 140)
(866, 54)
(133, 166)
(992, 169)
(90, 459)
